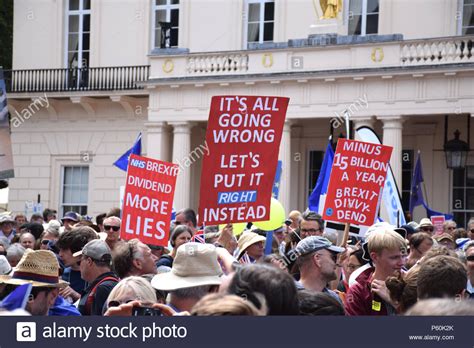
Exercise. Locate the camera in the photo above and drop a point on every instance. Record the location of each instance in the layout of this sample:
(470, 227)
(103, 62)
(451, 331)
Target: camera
(288, 222)
(146, 311)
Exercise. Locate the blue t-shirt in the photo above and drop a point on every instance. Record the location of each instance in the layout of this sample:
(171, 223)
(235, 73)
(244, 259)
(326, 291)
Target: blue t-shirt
(74, 279)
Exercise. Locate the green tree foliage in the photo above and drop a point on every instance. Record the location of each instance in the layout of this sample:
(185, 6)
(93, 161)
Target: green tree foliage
(6, 33)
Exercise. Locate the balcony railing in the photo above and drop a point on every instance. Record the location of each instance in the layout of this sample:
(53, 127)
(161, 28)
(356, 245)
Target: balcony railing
(76, 79)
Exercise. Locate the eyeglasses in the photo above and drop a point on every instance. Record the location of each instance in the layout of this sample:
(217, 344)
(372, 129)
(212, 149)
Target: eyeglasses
(114, 228)
(427, 229)
(470, 258)
(45, 241)
(310, 230)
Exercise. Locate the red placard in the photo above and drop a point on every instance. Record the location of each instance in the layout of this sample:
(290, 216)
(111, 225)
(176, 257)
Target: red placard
(357, 180)
(148, 200)
(438, 222)
(243, 136)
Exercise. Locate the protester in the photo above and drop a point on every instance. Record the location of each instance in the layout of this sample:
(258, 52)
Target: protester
(222, 304)
(469, 253)
(130, 289)
(37, 218)
(318, 303)
(48, 238)
(426, 226)
(442, 306)
(49, 214)
(69, 243)
(349, 265)
(449, 226)
(252, 245)
(99, 220)
(5, 267)
(470, 228)
(419, 243)
(311, 224)
(369, 295)
(186, 217)
(403, 290)
(317, 262)
(133, 258)
(27, 240)
(6, 227)
(195, 273)
(20, 219)
(69, 220)
(112, 226)
(96, 270)
(114, 212)
(40, 269)
(180, 235)
(36, 229)
(446, 240)
(4, 244)
(15, 253)
(277, 286)
(442, 276)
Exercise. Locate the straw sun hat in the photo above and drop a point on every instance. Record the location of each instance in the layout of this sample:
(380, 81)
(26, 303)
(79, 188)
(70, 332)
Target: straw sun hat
(247, 239)
(38, 268)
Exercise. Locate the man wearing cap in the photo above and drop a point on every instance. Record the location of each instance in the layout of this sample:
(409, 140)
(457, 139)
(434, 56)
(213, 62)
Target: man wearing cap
(317, 262)
(96, 269)
(446, 240)
(69, 220)
(6, 227)
(195, 273)
(39, 268)
(426, 226)
(251, 244)
(369, 294)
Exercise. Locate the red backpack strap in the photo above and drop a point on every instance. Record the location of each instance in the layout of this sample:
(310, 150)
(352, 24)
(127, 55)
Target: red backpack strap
(90, 298)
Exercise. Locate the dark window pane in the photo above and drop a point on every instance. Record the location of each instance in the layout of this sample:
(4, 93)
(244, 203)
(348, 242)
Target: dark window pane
(406, 180)
(174, 2)
(372, 26)
(74, 24)
(269, 11)
(458, 199)
(254, 12)
(253, 32)
(407, 159)
(470, 199)
(458, 177)
(470, 177)
(86, 23)
(468, 31)
(468, 16)
(73, 5)
(459, 218)
(87, 5)
(174, 38)
(174, 18)
(268, 32)
(72, 59)
(161, 2)
(372, 6)
(157, 37)
(85, 59)
(85, 41)
(405, 200)
(355, 25)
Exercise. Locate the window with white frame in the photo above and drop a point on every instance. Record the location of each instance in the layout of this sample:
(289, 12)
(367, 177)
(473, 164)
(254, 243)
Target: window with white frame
(78, 33)
(467, 25)
(315, 161)
(165, 23)
(463, 195)
(260, 21)
(75, 189)
(363, 17)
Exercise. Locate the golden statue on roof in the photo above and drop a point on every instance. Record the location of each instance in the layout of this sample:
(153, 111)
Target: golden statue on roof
(330, 8)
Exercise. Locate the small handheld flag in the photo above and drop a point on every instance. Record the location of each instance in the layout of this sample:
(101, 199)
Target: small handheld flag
(136, 149)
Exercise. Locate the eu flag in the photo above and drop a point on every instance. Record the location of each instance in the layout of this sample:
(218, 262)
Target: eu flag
(136, 149)
(17, 299)
(321, 187)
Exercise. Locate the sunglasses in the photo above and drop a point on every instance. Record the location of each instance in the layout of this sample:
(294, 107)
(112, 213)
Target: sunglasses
(470, 258)
(114, 228)
(427, 229)
(115, 303)
(45, 241)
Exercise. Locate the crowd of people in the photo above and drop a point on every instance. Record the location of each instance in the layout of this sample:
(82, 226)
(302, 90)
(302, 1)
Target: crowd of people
(77, 266)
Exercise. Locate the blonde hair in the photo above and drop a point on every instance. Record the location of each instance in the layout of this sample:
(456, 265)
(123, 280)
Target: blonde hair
(140, 287)
(222, 304)
(385, 239)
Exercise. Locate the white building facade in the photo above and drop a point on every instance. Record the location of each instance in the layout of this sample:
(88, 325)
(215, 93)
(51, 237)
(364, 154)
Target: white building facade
(402, 67)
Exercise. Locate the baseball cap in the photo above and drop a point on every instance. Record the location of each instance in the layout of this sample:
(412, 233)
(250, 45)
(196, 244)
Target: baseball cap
(96, 249)
(315, 243)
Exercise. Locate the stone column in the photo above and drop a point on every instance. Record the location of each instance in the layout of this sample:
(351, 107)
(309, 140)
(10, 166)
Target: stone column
(285, 157)
(158, 140)
(181, 150)
(392, 136)
(362, 121)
